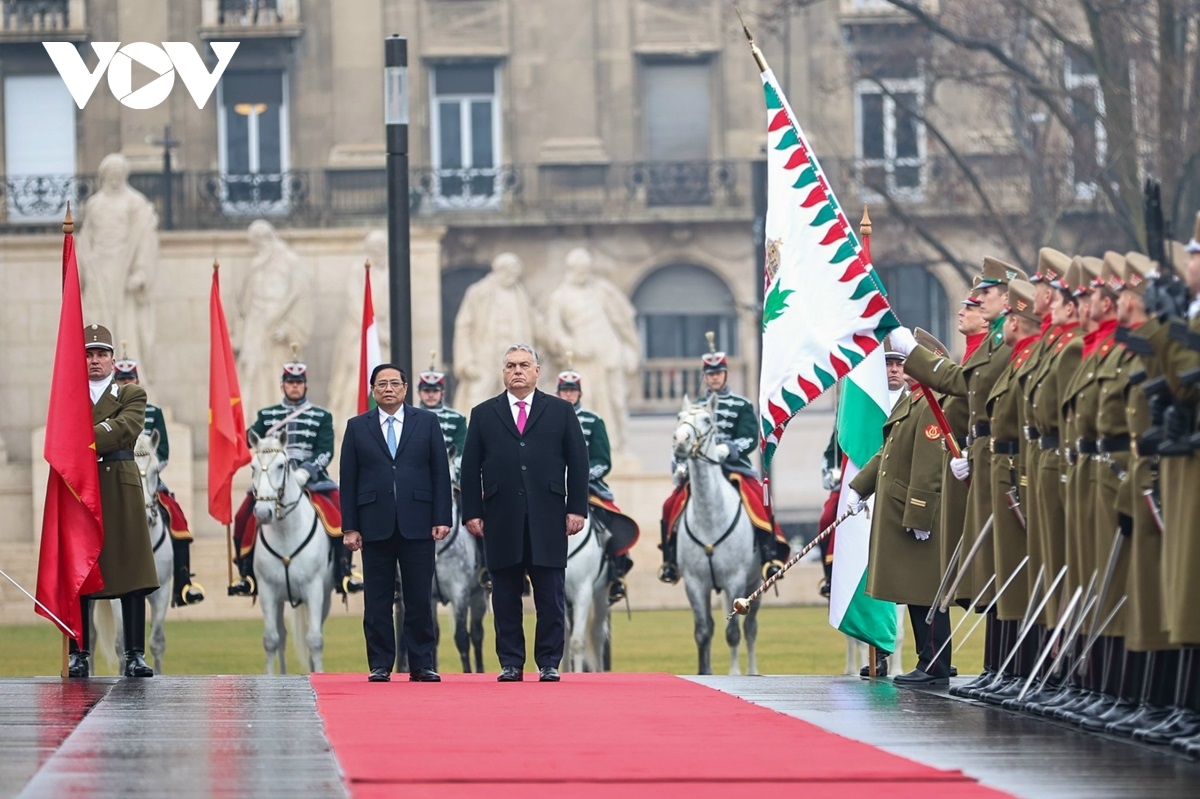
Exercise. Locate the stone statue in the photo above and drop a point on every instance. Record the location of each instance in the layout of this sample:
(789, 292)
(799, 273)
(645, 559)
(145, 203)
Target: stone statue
(274, 311)
(118, 259)
(343, 388)
(495, 313)
(591, 322)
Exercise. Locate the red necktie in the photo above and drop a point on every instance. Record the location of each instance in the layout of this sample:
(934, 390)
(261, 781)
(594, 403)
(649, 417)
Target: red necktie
(521, 418)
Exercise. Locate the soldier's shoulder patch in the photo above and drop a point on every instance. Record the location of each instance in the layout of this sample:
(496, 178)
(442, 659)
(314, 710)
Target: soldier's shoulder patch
(933, 432)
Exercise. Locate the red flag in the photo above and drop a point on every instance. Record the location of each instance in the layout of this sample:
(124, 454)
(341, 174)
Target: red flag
(369, 353)
(227, 450)
(72, 524)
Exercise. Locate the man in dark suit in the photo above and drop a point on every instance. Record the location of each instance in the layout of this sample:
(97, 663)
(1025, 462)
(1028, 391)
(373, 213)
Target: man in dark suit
(525, 489)
(395, 503)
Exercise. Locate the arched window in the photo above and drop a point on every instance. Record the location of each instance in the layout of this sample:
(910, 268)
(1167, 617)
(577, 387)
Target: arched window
(676, 304)
(455, 282)
(917, 297)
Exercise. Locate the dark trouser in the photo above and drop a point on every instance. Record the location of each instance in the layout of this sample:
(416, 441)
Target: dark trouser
(415, 559)
(549, 600)
(929, 638)
(133, 618)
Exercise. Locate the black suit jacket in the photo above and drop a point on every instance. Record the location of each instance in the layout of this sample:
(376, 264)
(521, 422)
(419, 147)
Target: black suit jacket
(507, 475)
(411, 491)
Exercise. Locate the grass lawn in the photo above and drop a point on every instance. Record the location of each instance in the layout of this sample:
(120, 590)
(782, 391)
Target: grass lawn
(791, 640)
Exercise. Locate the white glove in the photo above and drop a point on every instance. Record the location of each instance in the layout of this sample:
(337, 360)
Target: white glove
(903, 341)
(960, 468)
(854, 501)
(722, 452)
(920, 535)
(302, 477)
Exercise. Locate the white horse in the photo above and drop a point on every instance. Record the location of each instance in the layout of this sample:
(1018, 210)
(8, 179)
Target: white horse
(293, 563)
(109, 625)
(455, 580)
(715, 540)
(586, 591)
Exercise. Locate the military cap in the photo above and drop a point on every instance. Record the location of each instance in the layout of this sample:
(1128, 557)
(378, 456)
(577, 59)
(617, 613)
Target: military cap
(570, 379)
(1137, 272)
(712, 360)
(1052, 265)
(929, 341)
(1020, 300)
(1089, 272)
(998, 273)
(97, 337)
(1070, 278)
(125, 369)
(295, 369)
(973, 295)
(1194, 244)
(1110, 275)
(431, 379)
(890, 353)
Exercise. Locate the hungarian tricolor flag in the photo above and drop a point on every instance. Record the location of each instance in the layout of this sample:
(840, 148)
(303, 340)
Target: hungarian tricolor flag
(72, 524)
(369, 355)
(825, 315)
(227, 449)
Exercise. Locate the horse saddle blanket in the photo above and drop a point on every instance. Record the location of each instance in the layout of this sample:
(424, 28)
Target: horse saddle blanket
(177, 523)
(326, 503)
(749, 489)
(624, 529)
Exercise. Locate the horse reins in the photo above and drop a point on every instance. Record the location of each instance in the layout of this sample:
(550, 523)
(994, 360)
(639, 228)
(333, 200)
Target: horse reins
(151, 506)
(694, 453)
(287, 561)
(282, 509)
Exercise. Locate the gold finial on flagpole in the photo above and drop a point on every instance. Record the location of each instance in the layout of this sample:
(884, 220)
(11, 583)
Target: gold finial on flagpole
(216, 265)
(754, 51)
(864, 227)
(68, 225)
(367, 264)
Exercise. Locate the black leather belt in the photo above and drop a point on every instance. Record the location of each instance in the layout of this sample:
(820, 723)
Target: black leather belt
(1085, 446)
(1031, 433)
(1008, 447)
(1113, 444)
(117, 455)
(1048, 442)
(1145, 449)
(981, 430)
(1071, 455)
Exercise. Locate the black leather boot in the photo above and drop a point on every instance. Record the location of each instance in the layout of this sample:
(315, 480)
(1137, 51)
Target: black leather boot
(245, 585)
(348, 581)
(668, 572)
(133, 614)
(77, 663)
(484, 577)
(184, 591)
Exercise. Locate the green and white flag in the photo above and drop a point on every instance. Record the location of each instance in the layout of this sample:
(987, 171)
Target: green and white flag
(824, 317)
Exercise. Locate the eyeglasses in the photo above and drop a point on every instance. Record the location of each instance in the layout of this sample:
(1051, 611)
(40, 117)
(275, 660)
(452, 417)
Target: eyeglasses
(390, 384)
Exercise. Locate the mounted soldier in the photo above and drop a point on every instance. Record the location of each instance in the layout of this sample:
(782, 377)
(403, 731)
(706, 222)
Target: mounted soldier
(737, 434)
(623, 530)
(309, 431)
(184, 591)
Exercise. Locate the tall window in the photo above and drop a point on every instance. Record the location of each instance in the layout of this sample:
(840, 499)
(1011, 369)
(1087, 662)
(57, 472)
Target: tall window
(1089, 140)
(676, 305)
(917, 297)
(253, 140)
(466, 135)
(890, 139)
(39, 147)
(676, 119)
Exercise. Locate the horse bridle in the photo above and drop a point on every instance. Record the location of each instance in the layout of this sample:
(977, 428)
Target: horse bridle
(282, 509)
(150, 504)
(700, 442)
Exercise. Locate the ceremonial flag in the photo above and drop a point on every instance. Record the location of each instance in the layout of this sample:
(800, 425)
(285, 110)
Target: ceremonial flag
(227, 448)
(825, 315)
(369, 355)
(72, 523)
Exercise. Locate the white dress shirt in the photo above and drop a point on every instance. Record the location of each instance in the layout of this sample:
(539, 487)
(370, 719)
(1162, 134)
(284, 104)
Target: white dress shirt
(398, 425)
(512, 405)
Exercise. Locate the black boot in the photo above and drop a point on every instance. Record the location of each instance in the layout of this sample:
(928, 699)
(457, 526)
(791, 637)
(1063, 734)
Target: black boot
(881, 665)
(245, 584)
(348, 581)
(77, 664)
(767, 553)
(618, 567)
(184, 592)
(669, 571)
(133, 614)
(484, 577)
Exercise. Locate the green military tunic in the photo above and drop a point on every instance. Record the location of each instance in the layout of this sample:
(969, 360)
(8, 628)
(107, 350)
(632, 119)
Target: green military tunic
(1043, 411)
(454, 431)
(1005, 406)
(972, 380)
(126, 558)
(156, 422)
(905, 476)
(1145, 629)
(595, 434)
(737, 427)
(309, 435)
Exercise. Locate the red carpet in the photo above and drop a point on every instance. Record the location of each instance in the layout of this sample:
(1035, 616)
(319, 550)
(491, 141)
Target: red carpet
(597, 735)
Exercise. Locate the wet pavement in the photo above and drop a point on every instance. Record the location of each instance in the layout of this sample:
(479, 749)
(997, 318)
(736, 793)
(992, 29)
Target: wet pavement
(166, 736)
(1027, 757)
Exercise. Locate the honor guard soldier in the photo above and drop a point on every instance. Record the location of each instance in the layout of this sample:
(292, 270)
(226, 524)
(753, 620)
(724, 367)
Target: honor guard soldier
(184, 591)
(737, 434)
(310, 449)
(622, 529)
(126, 558)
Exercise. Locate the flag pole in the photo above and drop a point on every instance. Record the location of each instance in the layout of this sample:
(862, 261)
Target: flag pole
(864, 232)
(64, 664)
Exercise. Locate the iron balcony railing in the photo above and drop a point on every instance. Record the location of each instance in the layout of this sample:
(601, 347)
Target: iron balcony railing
(35, 20)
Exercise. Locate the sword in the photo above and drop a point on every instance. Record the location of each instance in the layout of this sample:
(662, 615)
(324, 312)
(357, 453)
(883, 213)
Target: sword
(1088, 646)
(1076, 625)
(1013, 500)
(962, 569)
(945, 579)
(1058, 628)
(964, 618)
(992, 604)
(1113, 554)
(1012, 653)
(1151, 497)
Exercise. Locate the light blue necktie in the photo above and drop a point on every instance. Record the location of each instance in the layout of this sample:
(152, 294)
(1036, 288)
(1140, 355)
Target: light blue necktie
(391, 435)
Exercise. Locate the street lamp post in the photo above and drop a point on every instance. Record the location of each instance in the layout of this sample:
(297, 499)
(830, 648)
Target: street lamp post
(395, 118)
